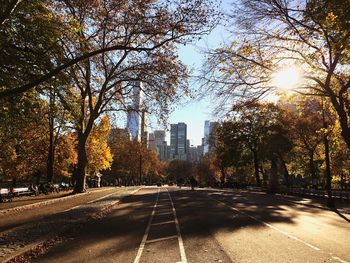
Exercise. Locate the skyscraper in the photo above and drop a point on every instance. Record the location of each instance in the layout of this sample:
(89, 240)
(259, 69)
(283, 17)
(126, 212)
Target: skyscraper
(158, 144)
(136, 117)
(178, 140)
(206, 137)
(144, 133)
(209, 128)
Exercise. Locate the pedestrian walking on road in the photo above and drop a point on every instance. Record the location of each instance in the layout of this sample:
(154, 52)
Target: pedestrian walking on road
(193, 182)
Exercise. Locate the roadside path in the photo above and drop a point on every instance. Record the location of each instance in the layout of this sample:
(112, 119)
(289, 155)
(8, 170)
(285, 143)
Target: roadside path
(23, 230)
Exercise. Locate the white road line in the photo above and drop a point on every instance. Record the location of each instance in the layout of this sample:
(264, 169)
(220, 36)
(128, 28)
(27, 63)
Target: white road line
(277, 229)
(132, 193)
(74, 207)
(179, 237)
(267, 224)
(161, 239)
(111, 203)
(143, 241)
(100, 198)
(163, 223)
(165, 213)
(339, 259)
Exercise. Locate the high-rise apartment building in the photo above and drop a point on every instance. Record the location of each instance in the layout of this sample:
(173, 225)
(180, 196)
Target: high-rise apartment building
(156, 141)
(118, 135)
(206, 137)
(163, 151)
(209, 128)
(178, 141)
(134, 114)
(144, 133)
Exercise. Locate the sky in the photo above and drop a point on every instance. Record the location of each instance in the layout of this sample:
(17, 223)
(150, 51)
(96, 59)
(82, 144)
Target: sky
(195, 112)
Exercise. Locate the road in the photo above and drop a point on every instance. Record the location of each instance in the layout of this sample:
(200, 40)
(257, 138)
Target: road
(32, 221)
(168, 224)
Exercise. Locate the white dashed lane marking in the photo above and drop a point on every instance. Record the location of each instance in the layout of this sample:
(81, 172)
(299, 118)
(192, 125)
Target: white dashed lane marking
(145, 236)
(275, 228)
(181, 244)
(178, 233)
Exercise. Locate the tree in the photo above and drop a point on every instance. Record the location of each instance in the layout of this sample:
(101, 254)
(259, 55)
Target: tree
(65, 155)
(207, 172)
(179, 171)
(29, 42)
(23, 138)
(254, 133)
(98, 151)
(173, 21)
(133, 162)
(312, 35)
(146, 61)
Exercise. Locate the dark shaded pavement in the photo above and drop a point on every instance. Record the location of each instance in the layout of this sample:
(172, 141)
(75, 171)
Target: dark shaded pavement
(215, 226)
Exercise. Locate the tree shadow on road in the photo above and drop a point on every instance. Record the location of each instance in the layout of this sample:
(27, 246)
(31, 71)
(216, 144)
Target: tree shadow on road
(117, 236)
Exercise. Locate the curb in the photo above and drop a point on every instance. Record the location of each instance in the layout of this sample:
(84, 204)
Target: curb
(23, 253)
(42, 203)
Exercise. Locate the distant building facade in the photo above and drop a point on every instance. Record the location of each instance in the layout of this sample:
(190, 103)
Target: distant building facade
(134, 115)
(178, 141)
(117, 135)
(192, 154)
(208, 142)
(156, 142)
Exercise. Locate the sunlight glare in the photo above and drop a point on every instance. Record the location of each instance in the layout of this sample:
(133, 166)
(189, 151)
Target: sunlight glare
(286, 78)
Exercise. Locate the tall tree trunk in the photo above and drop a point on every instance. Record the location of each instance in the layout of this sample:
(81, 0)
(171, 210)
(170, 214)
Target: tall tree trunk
(14, 182)
(273, 185)
(82, 164)
(256, 167)
(342, 181)
(342, 116)
(140, 167)
(330, 200)
(285, 172)
(223, 176)
(312, 168)
(51, 153)
(38, 176)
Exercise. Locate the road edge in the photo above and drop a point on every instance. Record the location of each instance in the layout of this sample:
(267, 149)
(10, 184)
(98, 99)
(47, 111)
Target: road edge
(40, 247)
(42, 203)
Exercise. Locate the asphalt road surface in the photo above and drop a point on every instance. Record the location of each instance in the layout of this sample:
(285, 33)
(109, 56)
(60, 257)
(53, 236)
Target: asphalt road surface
(168, 224)
(23, 228)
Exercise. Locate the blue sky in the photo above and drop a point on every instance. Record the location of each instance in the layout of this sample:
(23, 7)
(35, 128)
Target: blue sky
(194, 112)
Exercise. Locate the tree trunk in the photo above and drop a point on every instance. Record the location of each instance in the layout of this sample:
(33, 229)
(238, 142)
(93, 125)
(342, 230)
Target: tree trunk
(342, 180)
(140, 168)
(312, 168)
(273, 185)
(342, 117)
(256, 167)
(330, 200)
(223, 176)
(14, 182)
(38, 176)
(81, 165)
(51, 153)
(285, 172)
(51, 156)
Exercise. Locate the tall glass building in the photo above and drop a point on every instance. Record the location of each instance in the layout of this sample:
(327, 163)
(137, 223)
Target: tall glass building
(134, 116)
(178, 141)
